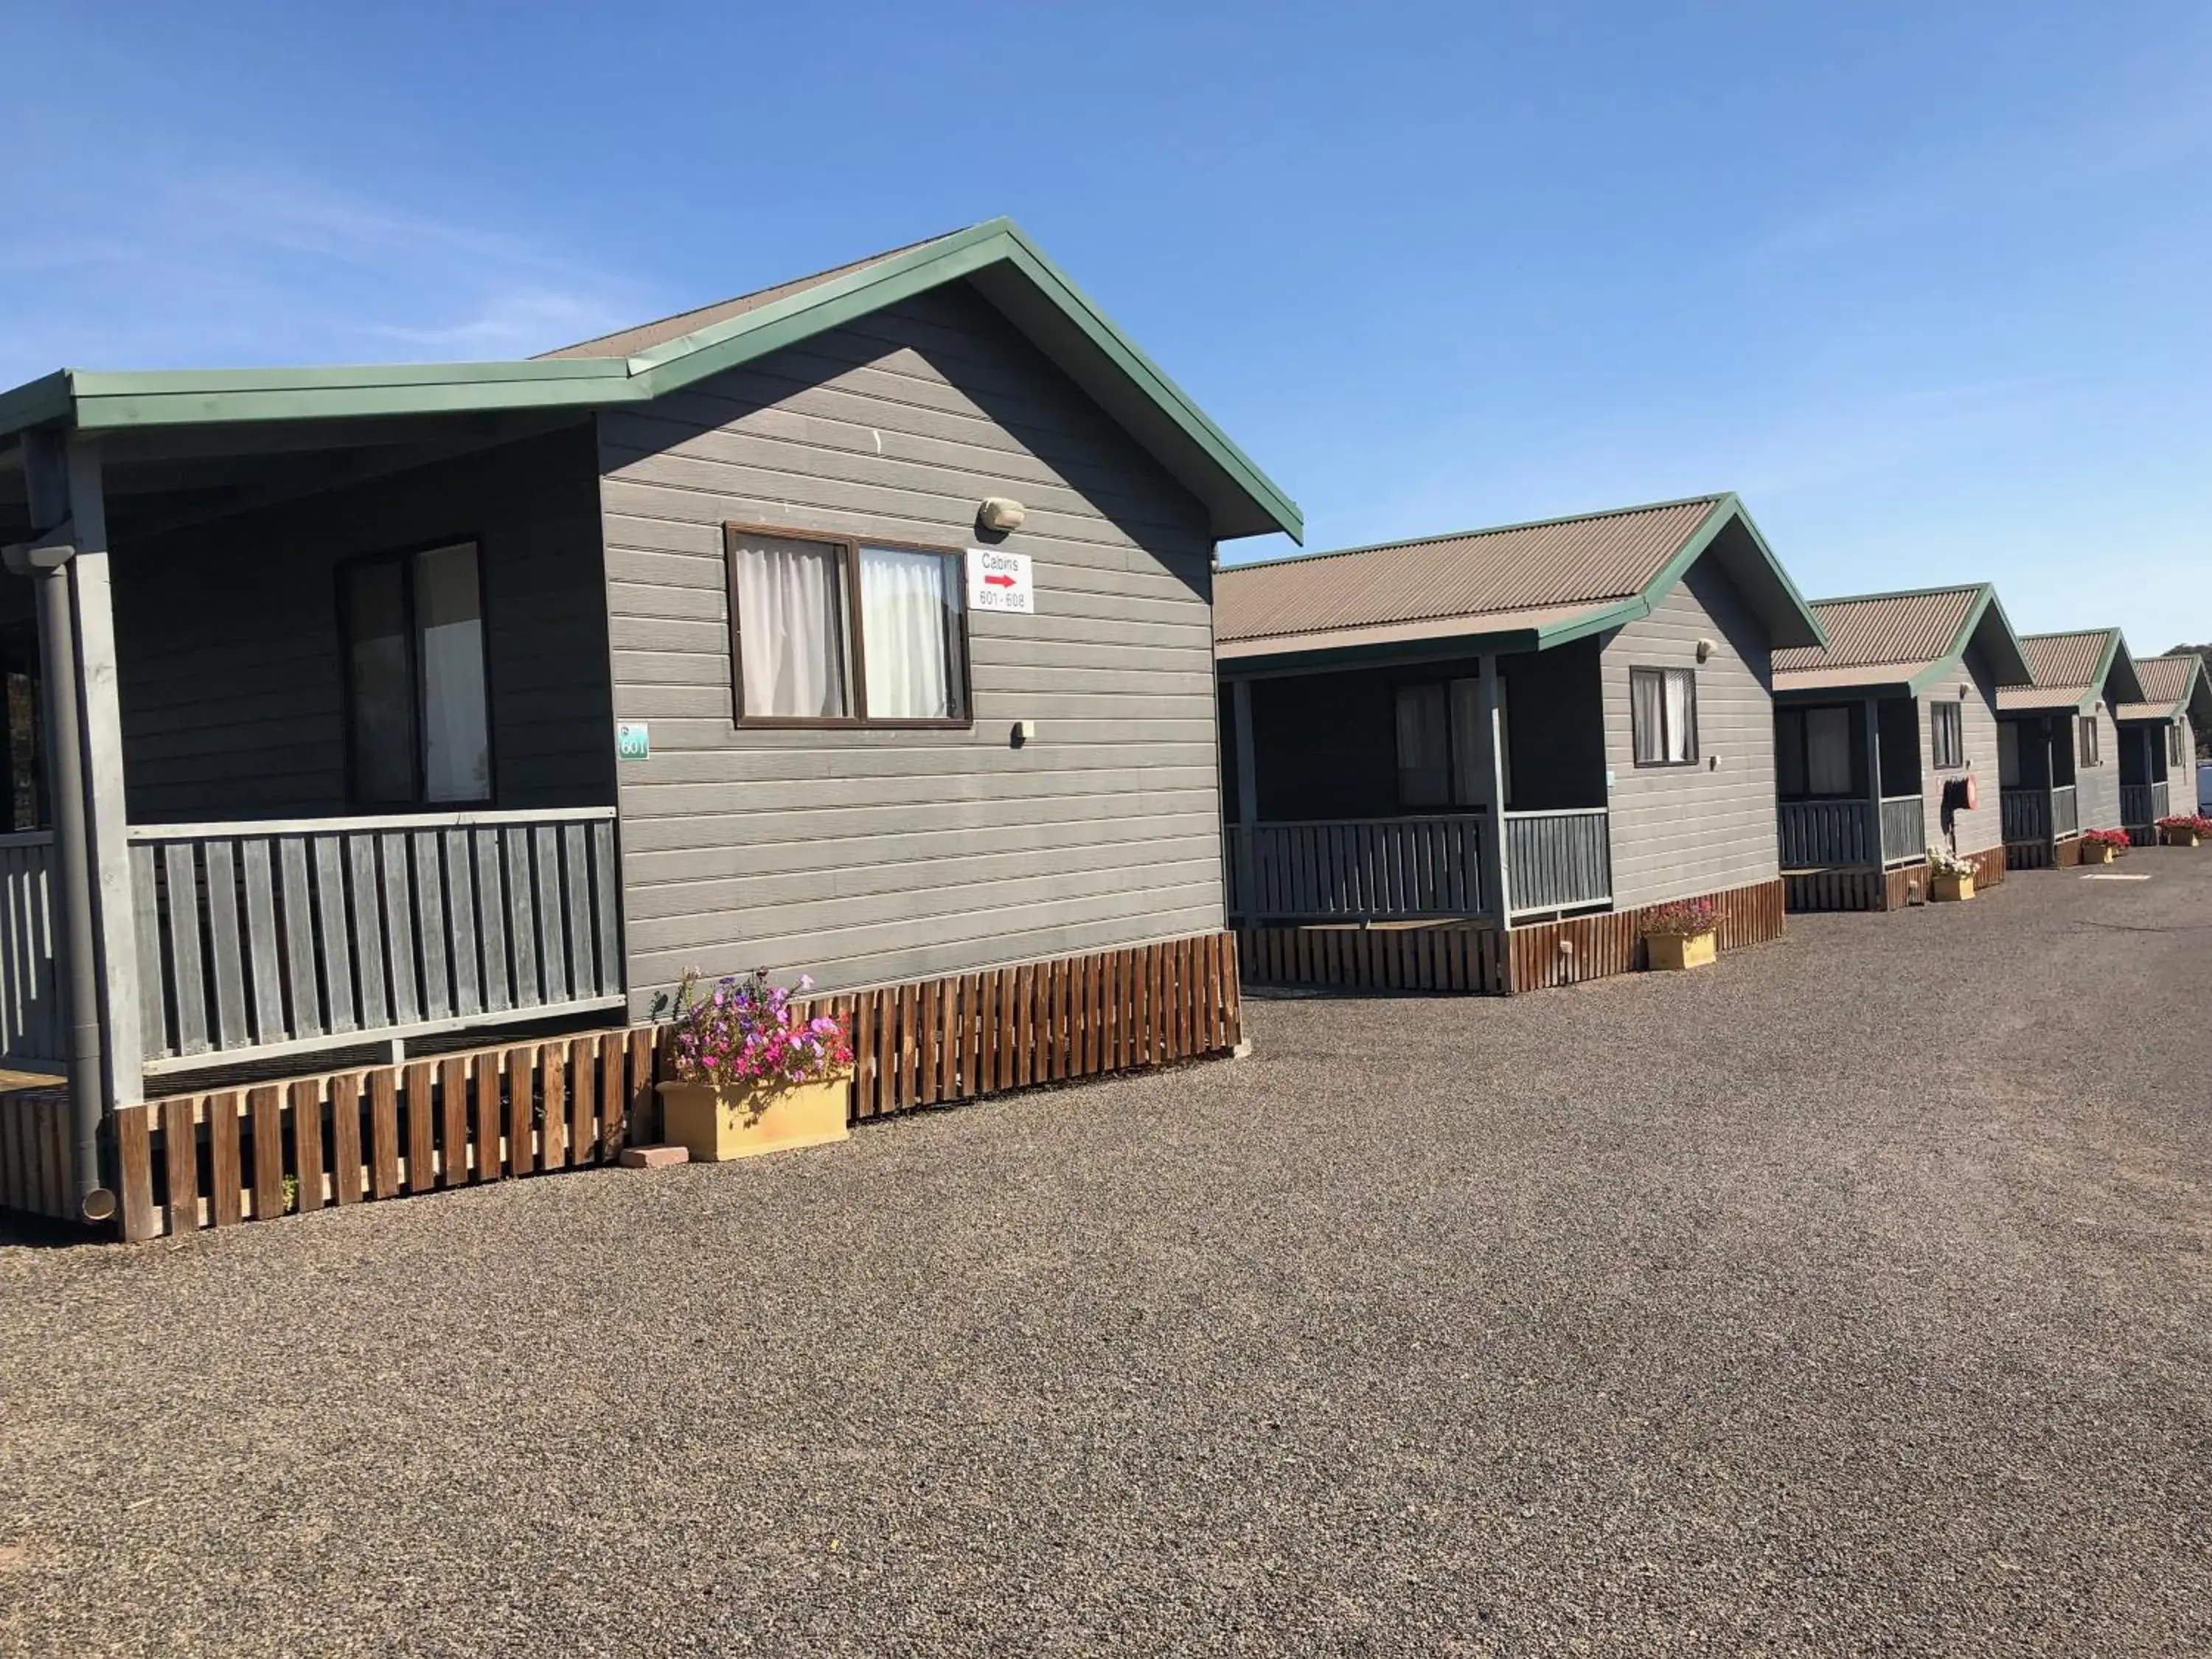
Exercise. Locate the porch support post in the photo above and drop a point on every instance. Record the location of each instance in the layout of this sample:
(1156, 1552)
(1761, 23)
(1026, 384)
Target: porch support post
(1874, 779)
(46, 560)
(100, 719)
(1497, 877)
(1247, 798)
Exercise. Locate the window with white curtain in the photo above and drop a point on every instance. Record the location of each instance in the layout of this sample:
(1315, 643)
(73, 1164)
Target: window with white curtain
(827, 631)
(1663, 715)
(418, 716)
(1424, 746)
(1947, 735)
(2087, 749)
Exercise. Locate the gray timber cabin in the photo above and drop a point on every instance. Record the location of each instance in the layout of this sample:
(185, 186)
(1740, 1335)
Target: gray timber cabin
(2158, 743)
(1467, 761)
(412, 705)
(2058, 744)
(1880, 737)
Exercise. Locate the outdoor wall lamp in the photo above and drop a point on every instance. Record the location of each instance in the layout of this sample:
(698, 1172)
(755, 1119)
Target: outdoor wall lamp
(1000, 514)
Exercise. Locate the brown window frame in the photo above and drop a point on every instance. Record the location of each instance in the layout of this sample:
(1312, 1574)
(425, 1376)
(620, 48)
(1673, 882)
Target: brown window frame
(856, 656)
(1958, 761)
(2088, 741)
(1661, 673)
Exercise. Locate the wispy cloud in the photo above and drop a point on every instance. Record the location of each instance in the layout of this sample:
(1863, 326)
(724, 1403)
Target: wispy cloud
(228, 267)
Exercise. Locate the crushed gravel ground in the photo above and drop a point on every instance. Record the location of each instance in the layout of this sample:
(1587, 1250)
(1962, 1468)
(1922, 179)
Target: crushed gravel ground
(1850, 1297)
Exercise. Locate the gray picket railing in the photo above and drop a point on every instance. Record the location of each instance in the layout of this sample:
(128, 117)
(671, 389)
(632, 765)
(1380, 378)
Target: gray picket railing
(259, 939)
(1357, 869)
(1904, 829)
(1817, 834)
(2065, 812)
(33, 1027)
(2024, 814)
(1559, 860)
(2142, 804)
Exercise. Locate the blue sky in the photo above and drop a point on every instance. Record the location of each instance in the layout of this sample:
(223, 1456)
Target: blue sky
(1928, 284)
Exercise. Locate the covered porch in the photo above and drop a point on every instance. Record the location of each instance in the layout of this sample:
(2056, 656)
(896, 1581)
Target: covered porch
(2148, 751)
(308, 762)
(1848, 784)
(1389, 793)
(2038, 789)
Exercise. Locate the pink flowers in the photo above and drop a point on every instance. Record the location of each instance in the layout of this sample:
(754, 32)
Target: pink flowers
(2115, 839)
(1683, 918)
(745, 1031)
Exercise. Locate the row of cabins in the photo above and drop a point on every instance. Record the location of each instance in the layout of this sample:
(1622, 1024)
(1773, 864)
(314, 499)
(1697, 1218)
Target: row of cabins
(385, 743)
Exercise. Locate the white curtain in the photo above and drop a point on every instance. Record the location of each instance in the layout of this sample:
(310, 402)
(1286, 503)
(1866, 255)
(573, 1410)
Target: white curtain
(791, 630)
(908, 604)
(1681, 715)
(449, 612)
(1828, 752)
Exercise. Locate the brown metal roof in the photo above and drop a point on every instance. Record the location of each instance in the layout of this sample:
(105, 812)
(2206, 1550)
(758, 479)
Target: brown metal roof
(1475, 581)
(1907, 631)
(629, 342)
(2164, 683)
(2065, 668)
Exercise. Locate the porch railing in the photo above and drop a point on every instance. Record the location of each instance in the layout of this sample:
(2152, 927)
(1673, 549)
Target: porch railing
(2024, 814)
(32, 1026)
(1904, 829)
(1357, 869)
(263, 938)
(2142, 803)
(1817, 834)
(1559, 861)
(2065, 812)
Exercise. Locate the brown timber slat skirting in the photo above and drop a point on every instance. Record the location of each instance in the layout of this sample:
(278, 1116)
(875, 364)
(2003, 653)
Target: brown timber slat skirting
(2043, 855)
(37, 1154)
(224, 1156)
(1989, 868)
(1448, 957)
(1462, 957)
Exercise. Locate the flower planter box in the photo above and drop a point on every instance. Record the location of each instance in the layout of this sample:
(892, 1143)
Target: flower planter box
(715, 1127)
(2180, 837)
(1951, 888)
(2096, 852)
(1672, 952)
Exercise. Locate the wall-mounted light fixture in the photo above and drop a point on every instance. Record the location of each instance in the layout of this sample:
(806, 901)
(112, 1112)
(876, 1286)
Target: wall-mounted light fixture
(1706, 649)
(1001, 514)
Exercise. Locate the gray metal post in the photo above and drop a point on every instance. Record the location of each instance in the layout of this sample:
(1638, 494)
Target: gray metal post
(46, 562)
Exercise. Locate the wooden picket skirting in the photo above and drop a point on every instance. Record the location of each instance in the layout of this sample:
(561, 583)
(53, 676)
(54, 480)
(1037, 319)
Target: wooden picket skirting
(1989, 868)
(38, 1153)
(1862, 888)
(1440, 956)
(219, 1156)
(1584, 948)
(1469, 957)
(2043, 855)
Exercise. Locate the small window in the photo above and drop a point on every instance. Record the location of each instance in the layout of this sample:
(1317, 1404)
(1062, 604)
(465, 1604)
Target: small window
(2176, 752)
(2085, 742)
(418, 717)
(1947, 733)
(1663, 715)
(806, 611)
(1424, 750)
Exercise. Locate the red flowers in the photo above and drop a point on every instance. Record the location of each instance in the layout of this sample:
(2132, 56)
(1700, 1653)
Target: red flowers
(1683, 918)
(2116, 839)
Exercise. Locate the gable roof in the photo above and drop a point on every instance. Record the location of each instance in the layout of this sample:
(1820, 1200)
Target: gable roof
(997, 258)
(2172, 686)
(1904, 641)
(1518, 588)
(2074, 671)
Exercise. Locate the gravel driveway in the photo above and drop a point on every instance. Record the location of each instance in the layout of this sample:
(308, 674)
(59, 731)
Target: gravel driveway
(1849, 1297)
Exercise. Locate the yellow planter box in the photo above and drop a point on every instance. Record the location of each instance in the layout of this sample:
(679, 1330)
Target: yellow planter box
(2095, 851)
(1952, 889)
(2180, 837)
(715, 1127)
(1669, 952)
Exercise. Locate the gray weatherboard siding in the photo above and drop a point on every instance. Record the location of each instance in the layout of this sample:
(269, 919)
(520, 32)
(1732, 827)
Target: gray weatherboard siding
(1979, 831)
(1679, 831)
(868, 856)
(2181, 776)
(2097, 788)
(230, 660)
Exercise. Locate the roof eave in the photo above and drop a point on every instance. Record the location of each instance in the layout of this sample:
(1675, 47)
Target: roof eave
(1793, 623)
(1988, 626)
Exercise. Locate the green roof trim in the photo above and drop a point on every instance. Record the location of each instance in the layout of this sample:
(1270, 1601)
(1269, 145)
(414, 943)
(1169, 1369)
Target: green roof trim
(1985, 619)
(1243, 500)
(1729, 508)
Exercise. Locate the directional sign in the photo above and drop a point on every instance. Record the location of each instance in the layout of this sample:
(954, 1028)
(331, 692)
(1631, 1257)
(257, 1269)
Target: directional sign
(999, 582)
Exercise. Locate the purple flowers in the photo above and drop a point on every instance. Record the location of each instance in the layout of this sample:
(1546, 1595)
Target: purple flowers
(745, 1031)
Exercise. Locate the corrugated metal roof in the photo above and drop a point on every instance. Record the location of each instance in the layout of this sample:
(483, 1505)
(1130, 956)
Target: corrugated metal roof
(2164, 682)
(2065, 668)
(629, 342)
(1476, 579)
(1907, 631)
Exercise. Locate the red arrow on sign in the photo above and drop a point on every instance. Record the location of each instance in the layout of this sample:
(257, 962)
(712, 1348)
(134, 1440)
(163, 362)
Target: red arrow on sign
(998, 581)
